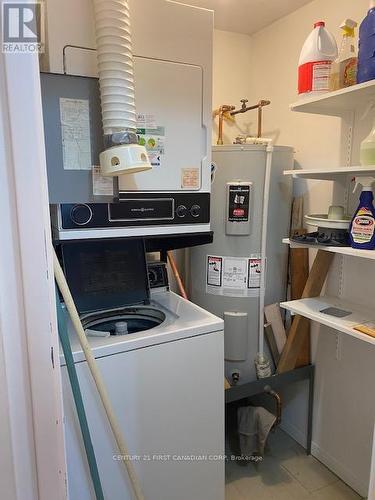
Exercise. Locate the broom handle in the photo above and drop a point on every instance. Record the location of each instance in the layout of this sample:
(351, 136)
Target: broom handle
(69, 303)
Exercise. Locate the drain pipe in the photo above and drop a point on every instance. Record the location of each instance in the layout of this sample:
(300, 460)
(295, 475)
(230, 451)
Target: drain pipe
(123, 154)
(263, 250)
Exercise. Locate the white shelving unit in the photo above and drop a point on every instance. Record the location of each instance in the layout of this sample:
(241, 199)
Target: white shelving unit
(347, 104)
(342, 103)
(337, 103)
(331, 174)
(352, 252)
(311, 308)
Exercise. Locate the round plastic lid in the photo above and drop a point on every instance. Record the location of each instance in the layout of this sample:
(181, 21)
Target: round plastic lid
(319, 23)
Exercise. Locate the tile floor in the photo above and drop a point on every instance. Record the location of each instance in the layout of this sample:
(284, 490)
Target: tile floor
(287, 473)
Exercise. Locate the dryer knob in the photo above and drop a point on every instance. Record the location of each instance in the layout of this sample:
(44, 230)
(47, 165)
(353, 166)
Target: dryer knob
(81, 214)
(195, 210)
(181, 211)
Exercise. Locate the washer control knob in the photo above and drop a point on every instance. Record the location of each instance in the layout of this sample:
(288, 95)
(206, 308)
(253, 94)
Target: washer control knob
(81, 214)
(195, 210)
(181, 211)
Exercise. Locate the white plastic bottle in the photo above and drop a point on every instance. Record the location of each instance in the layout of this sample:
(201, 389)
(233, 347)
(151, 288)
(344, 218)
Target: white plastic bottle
(262, 366)
(318, 52)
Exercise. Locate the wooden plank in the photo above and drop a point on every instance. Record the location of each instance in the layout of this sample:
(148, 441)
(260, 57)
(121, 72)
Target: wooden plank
(299, 272)
(226, 384)
(313, 288)
(297, 213)
(273, 317)
(299, 269)
(271, 341)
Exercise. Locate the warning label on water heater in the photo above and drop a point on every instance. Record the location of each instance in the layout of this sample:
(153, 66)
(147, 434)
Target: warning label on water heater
(214, 271)
(234, 276)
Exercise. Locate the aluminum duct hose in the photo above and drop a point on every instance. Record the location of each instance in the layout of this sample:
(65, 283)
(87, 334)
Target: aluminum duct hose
(117, 92)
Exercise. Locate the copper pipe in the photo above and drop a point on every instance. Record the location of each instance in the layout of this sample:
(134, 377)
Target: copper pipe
(259, 106)
(176, 274)
(259, 122)
(268, 390)
(225, 108)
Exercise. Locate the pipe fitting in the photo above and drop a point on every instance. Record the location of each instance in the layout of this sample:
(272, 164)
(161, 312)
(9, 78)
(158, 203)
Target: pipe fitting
(235, 377)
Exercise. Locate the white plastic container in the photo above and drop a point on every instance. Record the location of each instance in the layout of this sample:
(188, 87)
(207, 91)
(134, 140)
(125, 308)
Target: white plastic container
(314, 67)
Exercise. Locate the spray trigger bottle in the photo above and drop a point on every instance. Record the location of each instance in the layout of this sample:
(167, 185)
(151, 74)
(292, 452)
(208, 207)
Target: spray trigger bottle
(344, 68)
(362, 227)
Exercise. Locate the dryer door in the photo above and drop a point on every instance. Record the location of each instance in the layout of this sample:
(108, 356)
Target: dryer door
(169, 100)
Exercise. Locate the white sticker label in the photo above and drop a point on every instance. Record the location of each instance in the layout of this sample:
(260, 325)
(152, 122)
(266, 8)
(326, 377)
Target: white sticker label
(234, 276)
(190, 178)
(214, 271)
(235, 273)
(101, 185)
(154, 141)
(255, 272)
(146, 120)
(321, 72)
(75, 132)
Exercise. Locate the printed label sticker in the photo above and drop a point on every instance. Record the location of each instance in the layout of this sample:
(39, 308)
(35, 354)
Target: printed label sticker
(75, 132)
(214, 270)
(190, 178)
(255, 272)
(101, 185)
(234, 276)
(153, 139)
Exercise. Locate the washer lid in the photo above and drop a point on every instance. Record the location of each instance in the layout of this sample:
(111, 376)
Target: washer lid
(106, 274)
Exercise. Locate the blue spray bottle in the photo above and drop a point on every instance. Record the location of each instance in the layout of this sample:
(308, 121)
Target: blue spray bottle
(366, 54)
(362, 227)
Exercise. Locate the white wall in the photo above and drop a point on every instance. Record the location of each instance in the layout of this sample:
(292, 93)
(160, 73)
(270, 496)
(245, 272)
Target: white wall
(30, 378)
(344, 409)
(232, 70)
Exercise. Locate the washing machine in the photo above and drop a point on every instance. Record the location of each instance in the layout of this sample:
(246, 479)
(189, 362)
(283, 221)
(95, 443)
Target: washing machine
(161, 358)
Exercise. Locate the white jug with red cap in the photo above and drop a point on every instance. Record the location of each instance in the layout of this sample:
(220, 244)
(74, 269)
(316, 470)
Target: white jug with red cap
(314, 67)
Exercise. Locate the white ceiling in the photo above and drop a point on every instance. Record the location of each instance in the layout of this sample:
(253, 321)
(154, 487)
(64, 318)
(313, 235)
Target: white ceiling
(247, 16)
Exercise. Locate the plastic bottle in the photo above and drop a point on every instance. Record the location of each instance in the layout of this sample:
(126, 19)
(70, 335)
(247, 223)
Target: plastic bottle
(367, 150)
(366, 54)
(318, 52)
(344, 68)
(362, 227)
(262, 366)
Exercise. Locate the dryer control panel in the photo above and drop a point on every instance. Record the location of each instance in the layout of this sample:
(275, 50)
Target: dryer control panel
(136, 209)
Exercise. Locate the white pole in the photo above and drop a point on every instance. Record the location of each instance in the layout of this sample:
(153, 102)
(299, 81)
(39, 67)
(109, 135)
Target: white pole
(262, 291)
(69, 303)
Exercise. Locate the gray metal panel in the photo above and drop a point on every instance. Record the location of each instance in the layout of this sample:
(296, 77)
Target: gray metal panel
(70, 186)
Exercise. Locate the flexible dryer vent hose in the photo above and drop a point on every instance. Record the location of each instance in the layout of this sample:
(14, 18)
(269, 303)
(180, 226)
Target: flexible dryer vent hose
(123, 449)
(115, 66)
